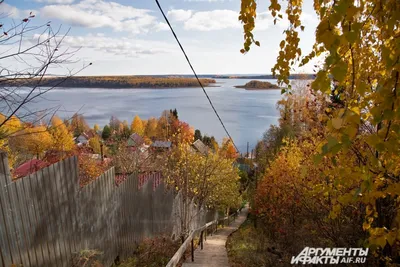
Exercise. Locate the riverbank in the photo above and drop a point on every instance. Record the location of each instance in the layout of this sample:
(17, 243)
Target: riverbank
(113, 82)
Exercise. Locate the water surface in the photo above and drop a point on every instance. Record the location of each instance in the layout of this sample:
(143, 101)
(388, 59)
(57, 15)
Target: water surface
(246, 114)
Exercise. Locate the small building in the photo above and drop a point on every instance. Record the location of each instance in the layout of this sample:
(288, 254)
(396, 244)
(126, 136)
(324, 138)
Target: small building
(161, 145)
(200, 147)
(135, 140)
(83, 139)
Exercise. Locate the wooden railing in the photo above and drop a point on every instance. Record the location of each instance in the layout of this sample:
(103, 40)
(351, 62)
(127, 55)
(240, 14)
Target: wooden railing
(190, 239)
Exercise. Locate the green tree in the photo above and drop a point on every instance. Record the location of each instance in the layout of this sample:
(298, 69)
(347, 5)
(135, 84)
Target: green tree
(106, 132)
(197, 135)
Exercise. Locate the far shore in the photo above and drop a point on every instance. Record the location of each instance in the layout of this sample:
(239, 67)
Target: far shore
(112, 82)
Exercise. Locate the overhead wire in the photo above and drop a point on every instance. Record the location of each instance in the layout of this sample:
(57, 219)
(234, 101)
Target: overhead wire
(195, 74)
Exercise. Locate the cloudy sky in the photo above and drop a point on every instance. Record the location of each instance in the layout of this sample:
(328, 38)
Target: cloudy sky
(131, 37)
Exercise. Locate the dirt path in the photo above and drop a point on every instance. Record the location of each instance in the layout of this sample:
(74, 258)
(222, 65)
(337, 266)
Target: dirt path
(214, 251)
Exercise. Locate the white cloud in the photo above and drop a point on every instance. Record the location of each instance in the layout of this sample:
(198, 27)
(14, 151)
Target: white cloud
(217, 20)
(161, 26)
(213, 20)
(179, 14)
(124, 47)
(56, 1)
(7, 10)
(101, 14)
(228, 19)
(13, 12)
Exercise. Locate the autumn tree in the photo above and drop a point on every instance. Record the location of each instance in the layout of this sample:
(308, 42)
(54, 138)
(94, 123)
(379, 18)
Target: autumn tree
(144, 124)
(62, 138)
(151, 128)
(126, 132)
(183, 133)
(95, 144)
(210, 180)
(30, 52)
(96, 127)
(78, 125)
(33, 141)
(137, 126)
(360, 75)
(89, 169)
(114, 123)
(11, 127)
(228, 150)
(163, 127)
(125, 161)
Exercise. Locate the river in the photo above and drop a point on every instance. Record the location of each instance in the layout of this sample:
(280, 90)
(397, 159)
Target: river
(246, 114)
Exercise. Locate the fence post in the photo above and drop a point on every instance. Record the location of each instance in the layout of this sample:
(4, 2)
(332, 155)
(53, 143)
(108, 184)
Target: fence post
(201, 240)
(193, 249)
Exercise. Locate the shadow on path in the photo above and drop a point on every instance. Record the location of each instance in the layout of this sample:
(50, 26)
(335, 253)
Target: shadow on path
(214, 252)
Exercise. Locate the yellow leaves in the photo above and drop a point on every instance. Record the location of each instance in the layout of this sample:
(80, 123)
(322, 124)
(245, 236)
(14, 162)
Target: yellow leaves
(337, 123)
(33, 140)
(339, 71)
(137, 126)
(335, 211)
(94, 143)
(211, 178)
(13, 125)
(379, 236)
(282, 44)
(62, 138)
(360, 48)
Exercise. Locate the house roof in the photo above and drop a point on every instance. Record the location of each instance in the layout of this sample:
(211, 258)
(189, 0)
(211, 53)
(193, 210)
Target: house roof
(200, 146)
(29, 167)
(88, 134)
(161, 144)
(135, 140)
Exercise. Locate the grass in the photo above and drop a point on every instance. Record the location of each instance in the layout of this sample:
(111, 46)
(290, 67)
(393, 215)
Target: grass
(247, 247)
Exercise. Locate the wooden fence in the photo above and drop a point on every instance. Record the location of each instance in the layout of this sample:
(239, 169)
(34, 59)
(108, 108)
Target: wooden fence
(46, 218)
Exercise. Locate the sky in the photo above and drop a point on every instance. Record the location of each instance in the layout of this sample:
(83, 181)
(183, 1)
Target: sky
(130, 37)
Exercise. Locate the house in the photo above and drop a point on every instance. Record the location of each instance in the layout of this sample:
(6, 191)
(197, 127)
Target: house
(29, 167)
(83, 139)
(200, 147)
(161, 146)
(135, 140)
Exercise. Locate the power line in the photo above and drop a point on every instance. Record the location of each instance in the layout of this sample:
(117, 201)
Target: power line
(195, 74)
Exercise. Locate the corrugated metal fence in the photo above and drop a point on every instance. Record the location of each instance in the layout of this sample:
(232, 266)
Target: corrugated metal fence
(46, 217)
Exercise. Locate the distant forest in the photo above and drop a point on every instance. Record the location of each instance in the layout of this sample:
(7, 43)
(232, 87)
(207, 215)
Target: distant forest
(111, 82)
